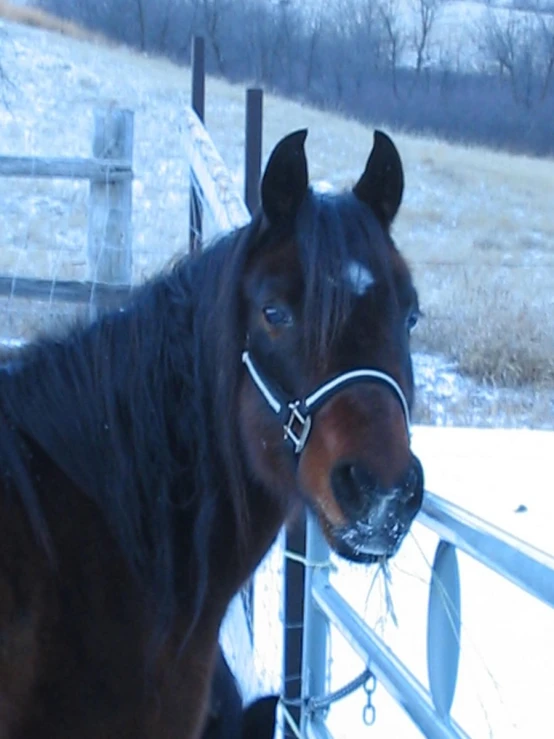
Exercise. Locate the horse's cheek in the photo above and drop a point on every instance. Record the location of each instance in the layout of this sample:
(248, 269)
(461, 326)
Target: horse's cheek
(314, 476)
(263, 444)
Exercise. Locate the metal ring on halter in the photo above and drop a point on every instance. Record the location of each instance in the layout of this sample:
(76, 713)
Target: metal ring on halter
(297, 419)
(297, 414)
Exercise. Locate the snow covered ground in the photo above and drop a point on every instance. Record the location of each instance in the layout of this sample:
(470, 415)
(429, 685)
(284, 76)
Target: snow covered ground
(507, 644)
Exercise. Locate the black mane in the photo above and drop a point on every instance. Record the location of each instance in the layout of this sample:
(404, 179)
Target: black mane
(126, 408)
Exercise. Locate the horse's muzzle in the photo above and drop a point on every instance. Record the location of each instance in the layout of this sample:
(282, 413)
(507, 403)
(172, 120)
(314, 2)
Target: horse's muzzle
(378, 517)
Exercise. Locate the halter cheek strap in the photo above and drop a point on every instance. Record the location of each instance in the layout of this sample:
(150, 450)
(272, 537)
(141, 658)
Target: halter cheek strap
(296, 415)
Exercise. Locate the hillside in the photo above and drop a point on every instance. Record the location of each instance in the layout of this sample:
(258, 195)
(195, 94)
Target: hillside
(476, 225)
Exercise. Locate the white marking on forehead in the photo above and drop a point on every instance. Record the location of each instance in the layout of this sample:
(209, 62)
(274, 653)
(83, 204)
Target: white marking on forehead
(359, 277)
(322, 186)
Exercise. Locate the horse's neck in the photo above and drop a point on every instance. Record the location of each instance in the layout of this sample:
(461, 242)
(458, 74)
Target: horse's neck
(233, 562)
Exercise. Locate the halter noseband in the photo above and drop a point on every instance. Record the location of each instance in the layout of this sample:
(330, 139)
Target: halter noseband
(296, 415)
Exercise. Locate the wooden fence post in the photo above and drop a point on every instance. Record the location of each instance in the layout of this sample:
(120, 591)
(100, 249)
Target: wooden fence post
(111, 202)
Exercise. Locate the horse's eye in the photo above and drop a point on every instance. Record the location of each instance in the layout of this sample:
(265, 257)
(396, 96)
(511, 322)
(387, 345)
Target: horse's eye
(411, 321)
(277, 315)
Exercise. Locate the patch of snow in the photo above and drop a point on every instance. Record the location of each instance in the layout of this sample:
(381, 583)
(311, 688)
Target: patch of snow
(12, 343)
(446, 398)
(322, 187)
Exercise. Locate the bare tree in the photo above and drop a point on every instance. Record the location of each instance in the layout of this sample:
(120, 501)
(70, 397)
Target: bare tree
(424, 17)
(375, 43)
(141, 16)
(313, 21)
(285, 36)
(360, 34)
(261, 44)
(343, 52)
(545, 24)
(521, 47)
(216, 17)
(394, 36)
(176, 26)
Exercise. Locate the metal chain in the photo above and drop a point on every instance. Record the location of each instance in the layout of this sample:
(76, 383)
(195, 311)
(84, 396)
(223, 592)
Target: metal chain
(324, 702)
(369, 708)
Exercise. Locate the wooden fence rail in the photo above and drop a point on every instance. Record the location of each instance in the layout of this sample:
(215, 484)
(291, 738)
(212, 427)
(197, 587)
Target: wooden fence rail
(212, 176)
(67, 291)
(95, 170)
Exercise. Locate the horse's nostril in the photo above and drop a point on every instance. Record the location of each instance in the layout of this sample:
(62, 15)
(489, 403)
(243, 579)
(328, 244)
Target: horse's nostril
(362, 478)
(352, 484)
(412, 485)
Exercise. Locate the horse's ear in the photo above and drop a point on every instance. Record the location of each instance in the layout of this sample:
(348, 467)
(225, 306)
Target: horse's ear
(259, 719)
(285, 179)
(382, 183)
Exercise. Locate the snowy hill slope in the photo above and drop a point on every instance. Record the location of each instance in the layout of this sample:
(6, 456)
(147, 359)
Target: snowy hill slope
(469, 214)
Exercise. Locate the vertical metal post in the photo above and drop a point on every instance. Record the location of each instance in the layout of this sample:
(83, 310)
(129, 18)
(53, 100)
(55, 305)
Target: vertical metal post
(198, 104)
(294, 619)
(252, 169)
(253, 154)
(316, 625)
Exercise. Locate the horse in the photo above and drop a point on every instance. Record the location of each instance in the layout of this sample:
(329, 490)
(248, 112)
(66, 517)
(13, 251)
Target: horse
(149, 458)
(226, 717)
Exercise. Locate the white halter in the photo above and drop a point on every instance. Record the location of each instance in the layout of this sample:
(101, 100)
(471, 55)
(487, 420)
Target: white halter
(297, 414)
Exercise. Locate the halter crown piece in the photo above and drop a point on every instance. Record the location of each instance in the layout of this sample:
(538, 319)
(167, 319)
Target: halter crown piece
(296, 415)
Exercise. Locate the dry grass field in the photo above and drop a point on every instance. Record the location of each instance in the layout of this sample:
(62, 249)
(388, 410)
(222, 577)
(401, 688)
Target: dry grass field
(477, 226)
(37, 18)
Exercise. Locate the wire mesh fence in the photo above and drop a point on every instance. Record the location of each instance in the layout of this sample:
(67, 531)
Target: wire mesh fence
(44, 224)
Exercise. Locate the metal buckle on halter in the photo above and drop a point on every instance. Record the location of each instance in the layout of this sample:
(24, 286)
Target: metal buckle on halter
(297, 419)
